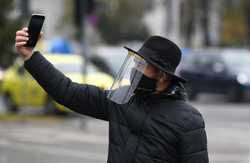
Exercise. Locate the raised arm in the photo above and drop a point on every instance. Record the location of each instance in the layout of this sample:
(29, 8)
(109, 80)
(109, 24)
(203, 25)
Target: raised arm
(84, 99)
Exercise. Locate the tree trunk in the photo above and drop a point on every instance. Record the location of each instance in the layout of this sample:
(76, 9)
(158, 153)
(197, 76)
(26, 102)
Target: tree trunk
(205, 21)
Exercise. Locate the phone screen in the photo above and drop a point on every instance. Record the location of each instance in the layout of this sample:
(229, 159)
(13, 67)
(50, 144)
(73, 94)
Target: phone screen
(34, 29)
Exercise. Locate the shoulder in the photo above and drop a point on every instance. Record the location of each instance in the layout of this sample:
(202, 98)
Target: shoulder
(182, 114)
(189, 117)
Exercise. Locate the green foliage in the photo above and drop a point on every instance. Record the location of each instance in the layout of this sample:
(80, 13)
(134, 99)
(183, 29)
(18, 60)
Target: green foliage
(8, 29)
(121, 20)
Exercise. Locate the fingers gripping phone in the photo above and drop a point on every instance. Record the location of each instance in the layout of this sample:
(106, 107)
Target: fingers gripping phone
(34, 29)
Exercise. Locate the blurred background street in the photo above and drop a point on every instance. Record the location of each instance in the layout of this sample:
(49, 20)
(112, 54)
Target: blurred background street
(84, 40)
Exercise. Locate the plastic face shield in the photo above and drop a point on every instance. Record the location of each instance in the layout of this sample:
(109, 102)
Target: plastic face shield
(127, 79)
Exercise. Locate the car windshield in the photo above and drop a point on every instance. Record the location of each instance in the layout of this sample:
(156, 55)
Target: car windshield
(74, 68)
(237, 59)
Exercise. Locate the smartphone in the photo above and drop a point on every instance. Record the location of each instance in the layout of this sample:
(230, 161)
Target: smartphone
(34, 29)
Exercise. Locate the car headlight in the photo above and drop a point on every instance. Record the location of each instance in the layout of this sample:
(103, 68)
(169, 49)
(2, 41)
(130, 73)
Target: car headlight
(242, 78)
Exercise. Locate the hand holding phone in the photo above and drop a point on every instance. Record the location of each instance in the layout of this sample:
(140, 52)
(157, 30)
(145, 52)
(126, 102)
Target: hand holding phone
(26, 38)
(34, 29)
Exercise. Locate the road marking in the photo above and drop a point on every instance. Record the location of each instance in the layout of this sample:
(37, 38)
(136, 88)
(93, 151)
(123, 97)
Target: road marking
(29, 138)
(90, 138)
(54, 136)
(59, 151)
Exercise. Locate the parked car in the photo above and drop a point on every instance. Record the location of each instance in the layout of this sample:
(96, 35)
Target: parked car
(20, 89)
(218, 71)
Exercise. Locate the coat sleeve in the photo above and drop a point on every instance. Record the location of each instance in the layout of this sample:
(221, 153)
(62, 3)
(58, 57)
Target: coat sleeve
(84, 99)
(194, 147)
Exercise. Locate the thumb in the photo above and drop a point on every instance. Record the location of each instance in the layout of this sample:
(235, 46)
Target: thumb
(40, 35)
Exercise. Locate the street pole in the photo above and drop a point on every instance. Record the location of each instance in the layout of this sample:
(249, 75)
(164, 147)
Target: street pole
(79, 18)
(80, 10)
(205, 5)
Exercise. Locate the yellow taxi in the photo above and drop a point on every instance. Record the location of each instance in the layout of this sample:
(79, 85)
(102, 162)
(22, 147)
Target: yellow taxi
(1, 78)
(21, 90)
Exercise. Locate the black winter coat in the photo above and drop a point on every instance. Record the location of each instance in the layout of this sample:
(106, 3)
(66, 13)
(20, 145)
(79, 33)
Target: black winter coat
(159, 128)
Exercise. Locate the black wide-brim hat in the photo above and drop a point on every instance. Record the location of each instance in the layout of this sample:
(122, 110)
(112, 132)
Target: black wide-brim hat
(161, 53)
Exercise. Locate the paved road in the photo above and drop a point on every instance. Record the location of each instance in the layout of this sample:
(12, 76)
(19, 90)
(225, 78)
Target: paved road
(26, 141)
(2, 109)
(56, 141)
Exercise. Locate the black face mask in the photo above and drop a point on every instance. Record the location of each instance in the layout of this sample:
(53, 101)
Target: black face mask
(145, 86)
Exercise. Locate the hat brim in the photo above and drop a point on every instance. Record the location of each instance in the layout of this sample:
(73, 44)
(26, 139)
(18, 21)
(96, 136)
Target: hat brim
(157, 65)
